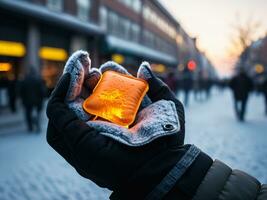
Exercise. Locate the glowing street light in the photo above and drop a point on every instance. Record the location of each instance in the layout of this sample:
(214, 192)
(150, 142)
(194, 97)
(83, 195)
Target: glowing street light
(191, 65)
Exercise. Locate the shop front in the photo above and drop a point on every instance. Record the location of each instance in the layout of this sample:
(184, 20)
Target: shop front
(130, 55)
(53, 53)
(12, 54)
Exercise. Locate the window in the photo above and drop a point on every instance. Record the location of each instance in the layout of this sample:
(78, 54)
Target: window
(128, 3)
(159, 21)
(103, 17)
(149, 38)
(125, 28)
(113, 21)
(135, 32)
(83, 9)
(55, 5)
(137, 5)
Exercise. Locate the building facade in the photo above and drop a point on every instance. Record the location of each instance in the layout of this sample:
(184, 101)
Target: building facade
(43, 33)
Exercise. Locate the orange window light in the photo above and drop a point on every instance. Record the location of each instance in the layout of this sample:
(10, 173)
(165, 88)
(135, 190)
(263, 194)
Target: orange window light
(5, 67)
(116, 98)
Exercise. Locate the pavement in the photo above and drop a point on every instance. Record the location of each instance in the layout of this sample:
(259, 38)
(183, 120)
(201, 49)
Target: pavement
(31, 170)
(11, 122)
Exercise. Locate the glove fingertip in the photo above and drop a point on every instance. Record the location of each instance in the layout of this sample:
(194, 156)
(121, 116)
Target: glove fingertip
(113, 66)
(144, 71)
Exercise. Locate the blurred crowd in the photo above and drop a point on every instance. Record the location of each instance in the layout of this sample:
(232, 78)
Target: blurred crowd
(30, 92)
(241, 85)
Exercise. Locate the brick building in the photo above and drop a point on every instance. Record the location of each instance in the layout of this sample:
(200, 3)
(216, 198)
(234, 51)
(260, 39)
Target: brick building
(43, 33)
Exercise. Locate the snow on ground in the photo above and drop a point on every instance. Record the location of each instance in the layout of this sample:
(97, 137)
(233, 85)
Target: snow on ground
(212, 126)
(30, 169)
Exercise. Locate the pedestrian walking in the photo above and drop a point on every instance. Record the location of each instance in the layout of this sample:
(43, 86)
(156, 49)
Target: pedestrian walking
(171, 81)
(32, 94)
(12, 95)
(264, 91)
(241, 86)
(187, 84)
(154, 168)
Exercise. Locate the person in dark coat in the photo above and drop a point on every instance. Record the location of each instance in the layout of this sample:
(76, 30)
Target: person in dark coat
(32, 94)
(241, 86)
(12, 95)
(187, 85)
(171, 81)
(162, 169)
(264, 91)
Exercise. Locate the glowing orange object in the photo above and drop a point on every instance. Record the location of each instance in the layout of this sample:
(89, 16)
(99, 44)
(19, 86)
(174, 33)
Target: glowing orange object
(116, 98)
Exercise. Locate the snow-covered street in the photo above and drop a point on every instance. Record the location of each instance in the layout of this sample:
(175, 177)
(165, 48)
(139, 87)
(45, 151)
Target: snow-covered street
(30, 169)
(212, 126)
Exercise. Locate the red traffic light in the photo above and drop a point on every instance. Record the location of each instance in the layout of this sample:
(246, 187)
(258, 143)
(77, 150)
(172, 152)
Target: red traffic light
(191, 65)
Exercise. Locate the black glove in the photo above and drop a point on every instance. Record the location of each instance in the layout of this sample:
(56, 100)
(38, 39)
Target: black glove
(101, 159)
(159, 90)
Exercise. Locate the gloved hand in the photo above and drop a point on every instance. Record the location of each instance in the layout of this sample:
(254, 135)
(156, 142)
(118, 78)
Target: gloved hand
(99, 158)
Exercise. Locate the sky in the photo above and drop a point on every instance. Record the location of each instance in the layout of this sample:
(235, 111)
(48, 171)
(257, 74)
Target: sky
(212, 21)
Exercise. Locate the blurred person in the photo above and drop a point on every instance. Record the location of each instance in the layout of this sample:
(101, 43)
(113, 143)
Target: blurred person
(3, 92)
(208, 86)
(171, 81)
(199, 89)
(187, 85)
(264, 90)
(32, 92)
(12, 95)
(241, 86)
(138, 172)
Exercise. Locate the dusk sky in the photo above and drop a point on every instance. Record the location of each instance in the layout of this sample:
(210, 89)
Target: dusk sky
(211, 21)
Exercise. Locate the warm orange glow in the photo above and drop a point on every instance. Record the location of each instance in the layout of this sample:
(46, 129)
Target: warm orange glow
(116, 98)
(259, 68)
(15, 49)
(5, 67)
(158, 68)
(118, 58)
(191, 65)
(51, 53)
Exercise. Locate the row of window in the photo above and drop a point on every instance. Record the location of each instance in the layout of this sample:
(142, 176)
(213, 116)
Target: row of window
(83, 13)
(153, 41)
(154, 18)
(83, 7)
(126, 29)
(118, 25)
(135, 5)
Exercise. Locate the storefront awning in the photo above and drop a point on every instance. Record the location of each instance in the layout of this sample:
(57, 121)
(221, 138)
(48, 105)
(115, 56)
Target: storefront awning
(46, 15)
(10, 48)
(52, 53)
(127, 47)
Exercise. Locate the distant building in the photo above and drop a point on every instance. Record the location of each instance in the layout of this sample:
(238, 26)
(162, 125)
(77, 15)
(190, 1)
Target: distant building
(254, 59)
(43, 33)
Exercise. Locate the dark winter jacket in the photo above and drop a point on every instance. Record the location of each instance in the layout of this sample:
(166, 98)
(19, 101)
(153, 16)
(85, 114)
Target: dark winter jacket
(32, 91)
(241, 85)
